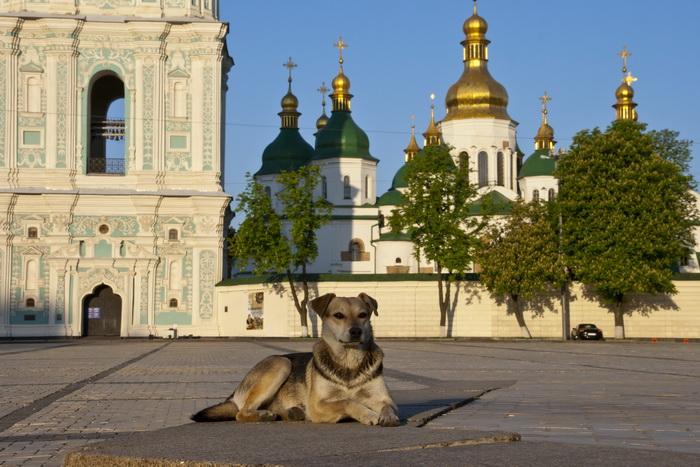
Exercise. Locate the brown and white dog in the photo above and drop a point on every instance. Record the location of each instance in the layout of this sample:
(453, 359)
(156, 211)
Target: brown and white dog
(341, 378)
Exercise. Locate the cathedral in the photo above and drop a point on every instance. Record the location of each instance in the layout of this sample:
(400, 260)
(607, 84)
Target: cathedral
(478, 128)
(111, 163)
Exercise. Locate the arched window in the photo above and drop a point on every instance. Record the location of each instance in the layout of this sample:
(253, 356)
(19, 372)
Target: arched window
(464, 161)
(30, 303)
(268, 191)
(107, 126)
(173, 235)
(512, 175)
(33, 103)
(483, 169)
(324, 187)
(355, 251)
(551, 195)
(173, 303)
(179, 100)
(500, 170)
(32, 232)
(347, 189)
(31, 275)
(536, 195)
(366, 186)
(122, 249)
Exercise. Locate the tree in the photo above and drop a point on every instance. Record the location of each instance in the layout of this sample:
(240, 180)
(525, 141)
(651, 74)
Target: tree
(306, 214)
(436, 216)
(668, 145)
(520, 257)
(263, 240)
(627, 213)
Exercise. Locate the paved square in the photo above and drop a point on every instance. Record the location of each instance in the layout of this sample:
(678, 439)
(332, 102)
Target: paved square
(58, 396)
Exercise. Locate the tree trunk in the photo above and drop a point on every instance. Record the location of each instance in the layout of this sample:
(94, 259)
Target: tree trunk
(443, 308)
(520, 318)
(301, 307)
(565, 313)
(619, 319)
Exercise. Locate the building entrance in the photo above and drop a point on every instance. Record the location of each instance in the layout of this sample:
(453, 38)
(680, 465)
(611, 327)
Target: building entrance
(102, 313)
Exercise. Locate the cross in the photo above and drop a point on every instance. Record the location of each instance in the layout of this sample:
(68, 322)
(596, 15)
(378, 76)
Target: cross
(546, 99)
(290, 65)
(625, 55)
(341, 45)
(629, 79)
(323, 90)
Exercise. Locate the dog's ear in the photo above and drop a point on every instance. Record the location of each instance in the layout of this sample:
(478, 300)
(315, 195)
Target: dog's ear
(320, 304)
(370, 302)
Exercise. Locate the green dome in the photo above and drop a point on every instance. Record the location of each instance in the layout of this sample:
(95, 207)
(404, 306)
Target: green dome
(540, 163)
(492, 203)
(288, 151)
(391, 198)
(341, 137)
(400, 180)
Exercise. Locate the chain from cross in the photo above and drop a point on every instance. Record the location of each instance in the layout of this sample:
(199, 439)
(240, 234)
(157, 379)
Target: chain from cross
(341, 45)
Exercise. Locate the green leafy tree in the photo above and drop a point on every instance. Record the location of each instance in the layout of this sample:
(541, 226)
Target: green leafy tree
(668, 145)
(520, 257)
(306, 214)
(436, 215)
(627, 213)
(283, 243)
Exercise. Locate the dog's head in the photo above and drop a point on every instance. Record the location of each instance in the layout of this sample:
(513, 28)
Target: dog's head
(346, 319)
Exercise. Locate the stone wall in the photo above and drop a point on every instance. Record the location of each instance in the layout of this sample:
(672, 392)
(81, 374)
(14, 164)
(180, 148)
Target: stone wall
(409, 309)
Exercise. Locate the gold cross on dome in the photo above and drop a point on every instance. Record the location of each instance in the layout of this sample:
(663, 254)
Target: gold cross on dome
(323, 90)
(629, 79)
(290, 65)
(625, 55)
(546, 99)
(341, 45)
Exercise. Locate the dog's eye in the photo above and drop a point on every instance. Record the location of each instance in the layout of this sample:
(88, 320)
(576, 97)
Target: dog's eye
(339, 316)
(362, 315)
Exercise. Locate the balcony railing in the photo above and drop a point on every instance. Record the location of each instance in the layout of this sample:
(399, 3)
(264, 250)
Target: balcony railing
(106, 166)
(108, 129)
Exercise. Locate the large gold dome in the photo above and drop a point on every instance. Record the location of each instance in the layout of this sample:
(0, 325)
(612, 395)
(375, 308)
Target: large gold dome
(477, 94)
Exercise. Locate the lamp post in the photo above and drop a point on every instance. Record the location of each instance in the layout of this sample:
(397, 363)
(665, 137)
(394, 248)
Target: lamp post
(564, 298)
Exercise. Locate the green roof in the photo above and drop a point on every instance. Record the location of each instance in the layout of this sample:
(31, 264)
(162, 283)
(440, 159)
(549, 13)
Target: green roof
(538, 164)
(288, 151)
(394, 237)
(400, 180)
(492, 203)
(391, 198)
(341, 137)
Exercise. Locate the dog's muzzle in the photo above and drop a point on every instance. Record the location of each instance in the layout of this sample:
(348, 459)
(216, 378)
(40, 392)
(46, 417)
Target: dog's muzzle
(355, 334)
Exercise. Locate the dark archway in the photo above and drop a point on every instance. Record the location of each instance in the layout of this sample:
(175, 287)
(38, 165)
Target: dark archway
(107, 126)
(102, 313)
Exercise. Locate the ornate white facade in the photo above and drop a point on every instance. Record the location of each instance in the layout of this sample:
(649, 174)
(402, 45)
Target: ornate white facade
(111, 162)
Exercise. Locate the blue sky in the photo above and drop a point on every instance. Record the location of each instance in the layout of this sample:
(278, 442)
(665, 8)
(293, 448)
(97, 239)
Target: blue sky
(403, 50)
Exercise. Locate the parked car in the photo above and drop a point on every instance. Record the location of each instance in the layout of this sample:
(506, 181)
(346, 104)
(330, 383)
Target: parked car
(587, 332)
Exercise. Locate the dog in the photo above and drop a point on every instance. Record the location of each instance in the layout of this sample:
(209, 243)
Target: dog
(341, 379)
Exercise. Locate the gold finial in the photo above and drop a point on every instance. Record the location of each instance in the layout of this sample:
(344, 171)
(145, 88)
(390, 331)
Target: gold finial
(546, 99)
(341, 45)
(290, 65)
(432, 135)
(625, 55)
(475, 9)
(412, 149)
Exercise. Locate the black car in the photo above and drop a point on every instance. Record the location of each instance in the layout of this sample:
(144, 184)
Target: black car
(586, 332)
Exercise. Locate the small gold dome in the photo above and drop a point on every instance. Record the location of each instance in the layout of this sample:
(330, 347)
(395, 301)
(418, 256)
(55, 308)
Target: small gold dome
(341, 83)
(322, 122)
(545, 131)
(625, 91)
(477, 95)
(290, 103)
(475, 27)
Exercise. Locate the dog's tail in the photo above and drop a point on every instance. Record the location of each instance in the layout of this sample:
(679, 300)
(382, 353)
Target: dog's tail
(224, 412)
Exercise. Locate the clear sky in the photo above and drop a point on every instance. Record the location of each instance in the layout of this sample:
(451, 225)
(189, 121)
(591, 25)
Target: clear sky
(403, 50)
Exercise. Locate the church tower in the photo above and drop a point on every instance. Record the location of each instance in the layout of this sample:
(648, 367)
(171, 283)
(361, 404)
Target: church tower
(111, 163)
(477, 124)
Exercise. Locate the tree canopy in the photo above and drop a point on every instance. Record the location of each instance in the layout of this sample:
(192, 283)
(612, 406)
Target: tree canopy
(627, 212)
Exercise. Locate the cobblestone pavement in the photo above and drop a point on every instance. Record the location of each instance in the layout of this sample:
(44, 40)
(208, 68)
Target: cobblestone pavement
(58, 396)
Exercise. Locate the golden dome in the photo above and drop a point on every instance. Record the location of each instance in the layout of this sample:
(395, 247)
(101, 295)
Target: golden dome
(290, 103)
(322, 121)
(476, 94)
(341, 83)
(545, 132)
(625, 91)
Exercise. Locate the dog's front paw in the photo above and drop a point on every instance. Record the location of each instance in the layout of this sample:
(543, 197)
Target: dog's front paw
(370, 418)
(388, 417)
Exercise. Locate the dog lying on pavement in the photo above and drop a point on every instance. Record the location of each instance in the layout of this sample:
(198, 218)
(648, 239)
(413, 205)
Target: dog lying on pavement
(341, 379)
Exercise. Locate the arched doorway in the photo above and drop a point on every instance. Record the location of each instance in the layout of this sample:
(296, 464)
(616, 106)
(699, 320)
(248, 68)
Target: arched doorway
(102, 313)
